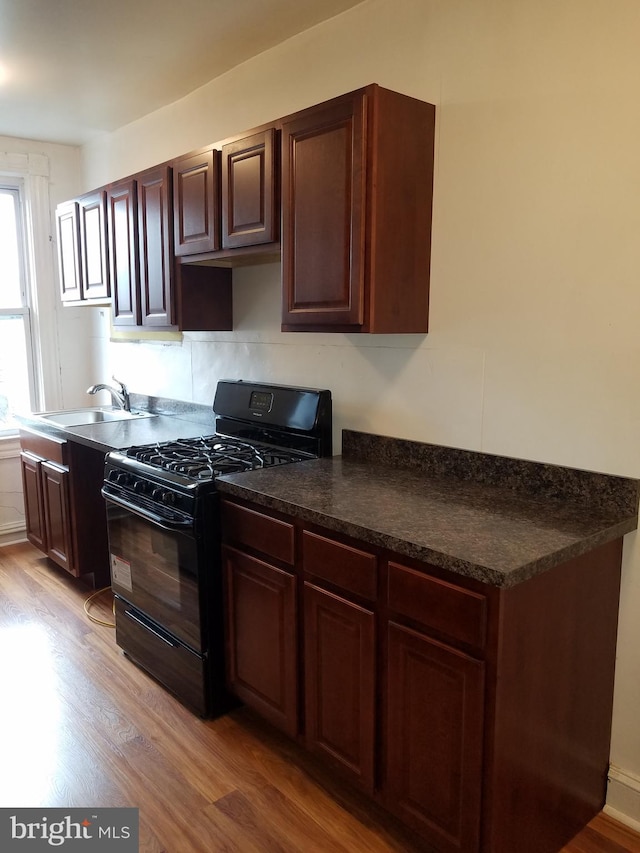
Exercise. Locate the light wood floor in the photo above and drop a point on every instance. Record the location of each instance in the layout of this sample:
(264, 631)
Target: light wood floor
(80, 725)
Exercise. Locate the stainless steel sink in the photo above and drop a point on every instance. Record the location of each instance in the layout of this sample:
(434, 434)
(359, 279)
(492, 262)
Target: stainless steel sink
(82, 417)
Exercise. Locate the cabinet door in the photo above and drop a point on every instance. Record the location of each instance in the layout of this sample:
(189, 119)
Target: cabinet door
(323, 208)
(33, 505)
(249, 191)
(340, 683)
(434, 739)
(69, 267)
(196, 196)
(262, 659)
(155, 243)
(122, 223)
(92, 210)
(57, 514)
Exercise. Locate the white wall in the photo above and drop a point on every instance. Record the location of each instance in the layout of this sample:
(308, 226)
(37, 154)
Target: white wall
(533, 349)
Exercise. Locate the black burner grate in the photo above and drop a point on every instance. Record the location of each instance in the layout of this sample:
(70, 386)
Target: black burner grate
(211, 456)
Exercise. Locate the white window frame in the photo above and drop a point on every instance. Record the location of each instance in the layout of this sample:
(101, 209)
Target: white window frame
(15, 186)
(30, 172)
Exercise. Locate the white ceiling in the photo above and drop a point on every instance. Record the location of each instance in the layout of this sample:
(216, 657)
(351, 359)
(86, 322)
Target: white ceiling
(73, 68)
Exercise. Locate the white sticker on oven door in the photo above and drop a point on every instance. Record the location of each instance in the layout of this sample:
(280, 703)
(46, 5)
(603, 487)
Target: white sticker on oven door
(121, 572)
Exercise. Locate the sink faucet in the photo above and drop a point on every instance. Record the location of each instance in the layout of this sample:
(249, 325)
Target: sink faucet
(119, 398)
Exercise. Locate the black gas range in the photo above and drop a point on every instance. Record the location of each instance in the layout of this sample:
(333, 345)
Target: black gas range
(164, 534)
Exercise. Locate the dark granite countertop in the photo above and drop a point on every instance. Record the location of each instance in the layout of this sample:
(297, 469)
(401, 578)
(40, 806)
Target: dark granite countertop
(495, 519)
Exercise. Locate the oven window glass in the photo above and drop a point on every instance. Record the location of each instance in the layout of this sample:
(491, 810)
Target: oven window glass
(155, 570)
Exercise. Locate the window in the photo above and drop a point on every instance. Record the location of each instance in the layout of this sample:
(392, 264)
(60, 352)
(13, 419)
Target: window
(16, 363)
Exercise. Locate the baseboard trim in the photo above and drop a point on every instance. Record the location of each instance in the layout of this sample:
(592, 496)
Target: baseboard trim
(11, 534)
(623, 797)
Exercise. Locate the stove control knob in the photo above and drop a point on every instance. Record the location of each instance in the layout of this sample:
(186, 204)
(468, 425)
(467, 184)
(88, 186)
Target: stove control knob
(140, 486)
(121, 478)
(168, 498)
(158, 495)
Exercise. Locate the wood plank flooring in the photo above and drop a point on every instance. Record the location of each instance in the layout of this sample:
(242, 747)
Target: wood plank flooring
(80, 725)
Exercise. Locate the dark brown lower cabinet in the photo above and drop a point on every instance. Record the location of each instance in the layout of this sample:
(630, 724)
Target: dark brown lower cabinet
(33, 500)
(435, 702)
(340, 678)
(57, 514)
(45, 486)
(64, 510)
(480, 716)
(262, 658)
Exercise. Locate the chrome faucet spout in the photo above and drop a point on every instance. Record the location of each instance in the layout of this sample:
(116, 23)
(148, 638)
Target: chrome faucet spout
(119, 398)
(124, 393)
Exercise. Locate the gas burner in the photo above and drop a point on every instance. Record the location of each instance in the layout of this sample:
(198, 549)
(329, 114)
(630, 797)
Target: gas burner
(207, 457)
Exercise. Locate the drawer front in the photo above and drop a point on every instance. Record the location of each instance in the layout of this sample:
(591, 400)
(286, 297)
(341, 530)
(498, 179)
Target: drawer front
(347, 567)
(179, 669)
(258, 531)
(459, 613)
(45, 446)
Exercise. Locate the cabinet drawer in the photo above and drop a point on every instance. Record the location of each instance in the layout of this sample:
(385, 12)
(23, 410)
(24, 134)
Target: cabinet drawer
(260, 532)
(459, 613)
(347, 567)
(172, 664)
(45, 446)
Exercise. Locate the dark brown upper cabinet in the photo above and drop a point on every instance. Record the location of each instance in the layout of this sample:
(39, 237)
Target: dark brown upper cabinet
(249, 191)
(155, 240)
(92, 215)
(82, 249)
(68, 235)
(122, 221)
(140, 220)
(196, 192)
(357, 186)
(353, 178)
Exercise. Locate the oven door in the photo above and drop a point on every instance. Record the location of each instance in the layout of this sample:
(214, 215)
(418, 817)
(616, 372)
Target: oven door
(154, 567)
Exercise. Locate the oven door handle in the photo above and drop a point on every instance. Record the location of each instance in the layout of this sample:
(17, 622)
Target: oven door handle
(170, 524)
(147, 627)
